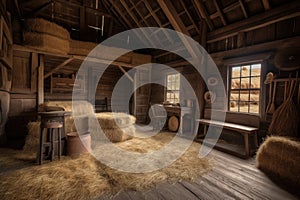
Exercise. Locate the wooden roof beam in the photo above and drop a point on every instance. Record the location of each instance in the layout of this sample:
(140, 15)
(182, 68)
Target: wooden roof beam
(58, 67)
(136, 21)
(243, 8)
(200, 8)
(218, 7)
(189, 16)
(177, 23)
(118, 10)
(266, 4)
(258, 21)
(153, 13)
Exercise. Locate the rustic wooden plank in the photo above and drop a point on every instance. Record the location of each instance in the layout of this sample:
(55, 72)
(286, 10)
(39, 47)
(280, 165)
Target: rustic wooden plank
(34, 69)
(58, 67)
(220, 12)
(40, 92)
(270, 17)
(178, 25)
(126, 74)
(200, 8)
(266, 4)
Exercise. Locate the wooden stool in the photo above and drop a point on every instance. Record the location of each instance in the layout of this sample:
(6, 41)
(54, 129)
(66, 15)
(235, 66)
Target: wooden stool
(50, 131)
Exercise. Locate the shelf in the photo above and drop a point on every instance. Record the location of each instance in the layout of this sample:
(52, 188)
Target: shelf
(59, 85)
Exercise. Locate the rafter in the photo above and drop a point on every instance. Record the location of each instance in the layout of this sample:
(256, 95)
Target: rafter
(135, 20)
(153, 13)
(200, 8)
(221, 15)
(36, 11)
(266, 4)
(243, 8)
(58, 67)
(177, 23)
(285, 12)
(120, 13)
(189, 16)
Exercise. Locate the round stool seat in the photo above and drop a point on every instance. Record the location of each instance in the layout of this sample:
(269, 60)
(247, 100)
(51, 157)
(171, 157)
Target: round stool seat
(51, 125)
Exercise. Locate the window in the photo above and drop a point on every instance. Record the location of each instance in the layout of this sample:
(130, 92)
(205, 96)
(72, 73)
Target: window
(245, 88)
(173, 88)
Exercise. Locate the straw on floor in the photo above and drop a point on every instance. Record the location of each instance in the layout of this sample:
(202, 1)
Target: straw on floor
(87, 178)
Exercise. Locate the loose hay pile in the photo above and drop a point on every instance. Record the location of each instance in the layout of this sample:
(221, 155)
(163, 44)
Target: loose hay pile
(86, 178)
(279, 157)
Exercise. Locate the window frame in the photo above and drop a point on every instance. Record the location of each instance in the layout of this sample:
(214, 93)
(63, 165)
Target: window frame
(167, 90)
(249, 89)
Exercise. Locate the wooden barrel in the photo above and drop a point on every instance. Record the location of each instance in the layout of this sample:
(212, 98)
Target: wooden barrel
(78, 145)
(173, 123)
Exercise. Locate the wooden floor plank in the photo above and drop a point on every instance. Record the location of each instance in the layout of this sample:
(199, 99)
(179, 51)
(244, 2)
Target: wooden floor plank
(230, 178)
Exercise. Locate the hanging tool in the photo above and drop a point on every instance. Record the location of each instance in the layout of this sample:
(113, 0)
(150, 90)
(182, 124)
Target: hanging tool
(272, 106)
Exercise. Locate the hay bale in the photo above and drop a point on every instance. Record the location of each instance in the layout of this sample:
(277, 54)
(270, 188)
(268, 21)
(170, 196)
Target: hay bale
(108, 120)
(279, 157)
(82, 107)
(81, 48)
(119, 135)
(43, 26)
(46, 42)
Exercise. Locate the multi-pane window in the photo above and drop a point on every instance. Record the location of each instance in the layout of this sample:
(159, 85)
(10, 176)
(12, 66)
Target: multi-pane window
(245, 88)
(173, 88)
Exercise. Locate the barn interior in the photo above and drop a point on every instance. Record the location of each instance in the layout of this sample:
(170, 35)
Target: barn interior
(135, 99)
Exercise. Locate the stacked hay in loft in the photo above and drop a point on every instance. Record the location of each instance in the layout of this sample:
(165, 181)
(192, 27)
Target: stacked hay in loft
(279, 157)
(81, 48)
(43, 35)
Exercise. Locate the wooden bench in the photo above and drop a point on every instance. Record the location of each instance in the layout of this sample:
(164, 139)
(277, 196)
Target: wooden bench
(244, 130)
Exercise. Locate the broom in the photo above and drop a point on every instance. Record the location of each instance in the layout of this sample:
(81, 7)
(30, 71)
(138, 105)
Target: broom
(286, 118)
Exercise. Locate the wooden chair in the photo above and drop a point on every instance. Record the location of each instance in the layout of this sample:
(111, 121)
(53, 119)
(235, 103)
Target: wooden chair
(158, 115)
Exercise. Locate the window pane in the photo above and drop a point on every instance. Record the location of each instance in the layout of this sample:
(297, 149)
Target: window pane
(245, 82)
(234, 106)
(234, 95)
(255, 70)
(246, 70)
(235, 83)
(244, 106)
(244, 96)
(245, 88)
(255, 82)
(254, 108)
(236, 72)
(254, 95)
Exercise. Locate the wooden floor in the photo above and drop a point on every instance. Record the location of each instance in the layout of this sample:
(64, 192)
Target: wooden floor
(231, 178)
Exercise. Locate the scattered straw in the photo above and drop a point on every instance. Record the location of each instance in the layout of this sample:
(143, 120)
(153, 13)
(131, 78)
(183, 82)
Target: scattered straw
(86, 178)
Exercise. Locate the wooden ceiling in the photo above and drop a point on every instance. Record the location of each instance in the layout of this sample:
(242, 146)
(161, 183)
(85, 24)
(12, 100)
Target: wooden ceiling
(207, 20)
